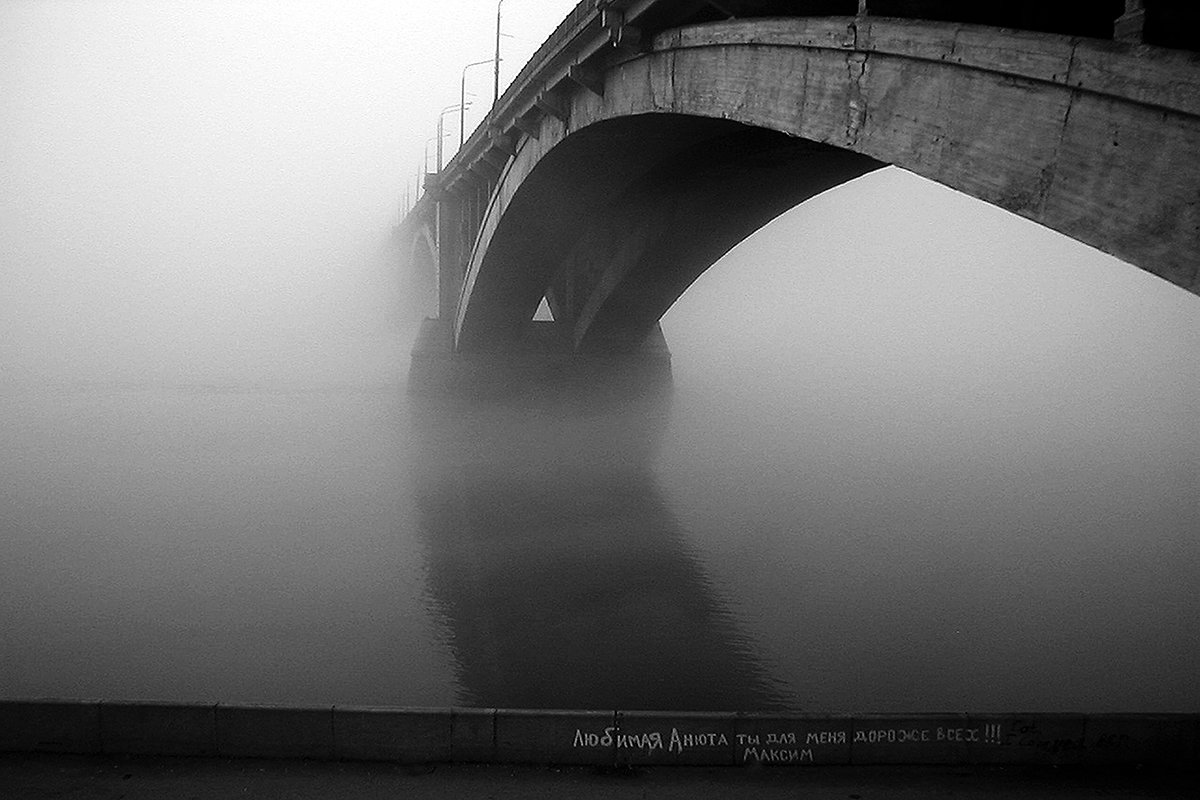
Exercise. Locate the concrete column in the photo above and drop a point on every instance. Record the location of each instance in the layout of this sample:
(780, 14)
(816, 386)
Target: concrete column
(450, 254)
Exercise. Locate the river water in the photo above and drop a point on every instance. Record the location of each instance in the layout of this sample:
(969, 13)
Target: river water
(828, 511)
(352, 545)
(917, 456)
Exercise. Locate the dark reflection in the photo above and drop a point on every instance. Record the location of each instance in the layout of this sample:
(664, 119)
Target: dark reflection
(557, 565)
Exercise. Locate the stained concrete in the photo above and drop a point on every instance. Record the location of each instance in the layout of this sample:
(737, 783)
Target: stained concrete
(165, 778)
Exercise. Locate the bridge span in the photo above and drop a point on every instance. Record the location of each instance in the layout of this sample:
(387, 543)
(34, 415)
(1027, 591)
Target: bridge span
(646, 138)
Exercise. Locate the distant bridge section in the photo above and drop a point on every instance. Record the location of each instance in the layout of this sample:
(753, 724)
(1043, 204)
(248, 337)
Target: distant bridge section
(648, 137)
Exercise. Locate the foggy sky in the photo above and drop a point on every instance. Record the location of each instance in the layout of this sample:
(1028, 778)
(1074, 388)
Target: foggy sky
(187, 187)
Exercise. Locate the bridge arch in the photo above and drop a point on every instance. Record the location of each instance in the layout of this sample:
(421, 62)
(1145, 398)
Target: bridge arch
(614, 209)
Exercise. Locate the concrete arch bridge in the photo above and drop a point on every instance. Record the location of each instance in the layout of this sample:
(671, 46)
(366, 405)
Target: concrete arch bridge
(648, 137)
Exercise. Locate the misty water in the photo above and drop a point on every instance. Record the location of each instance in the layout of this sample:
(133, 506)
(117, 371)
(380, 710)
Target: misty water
(918, 455)
(834, 508)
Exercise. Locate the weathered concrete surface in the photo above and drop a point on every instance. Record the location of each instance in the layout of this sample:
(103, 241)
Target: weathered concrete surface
(50, 726)
(604, 738)
(259, 731)
(1099, 140)
(472, 735)
(161, 778)
(524, 737)
(536, 218)
(159, 728)
(380, 734)
(638, 254)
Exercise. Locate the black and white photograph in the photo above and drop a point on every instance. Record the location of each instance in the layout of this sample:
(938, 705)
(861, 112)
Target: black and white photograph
(599, 399)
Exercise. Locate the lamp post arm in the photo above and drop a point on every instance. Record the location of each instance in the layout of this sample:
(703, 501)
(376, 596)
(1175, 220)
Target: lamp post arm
(496, 73)
(462, 99)
(441, 128)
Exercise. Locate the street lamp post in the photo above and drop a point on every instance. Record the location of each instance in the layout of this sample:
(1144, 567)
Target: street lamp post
(496, 73)
(425, 162)
(441, 129)
(462, 99)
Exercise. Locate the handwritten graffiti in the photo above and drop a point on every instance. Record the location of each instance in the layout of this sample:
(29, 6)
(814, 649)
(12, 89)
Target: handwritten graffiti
(594, 739)
(679, 743)
(912, 735)
(650, 741)
(789, 746)
(769, 756)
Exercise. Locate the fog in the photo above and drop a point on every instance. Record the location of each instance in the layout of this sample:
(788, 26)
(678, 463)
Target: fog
(891, 390)
(203, 191)
(934, 323)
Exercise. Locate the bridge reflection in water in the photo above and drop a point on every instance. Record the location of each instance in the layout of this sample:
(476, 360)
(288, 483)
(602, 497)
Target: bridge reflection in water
(559, 568)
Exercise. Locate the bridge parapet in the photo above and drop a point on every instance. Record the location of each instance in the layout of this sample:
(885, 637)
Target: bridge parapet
(588, 42)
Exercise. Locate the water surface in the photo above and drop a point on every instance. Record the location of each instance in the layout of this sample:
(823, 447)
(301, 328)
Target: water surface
(355, 545)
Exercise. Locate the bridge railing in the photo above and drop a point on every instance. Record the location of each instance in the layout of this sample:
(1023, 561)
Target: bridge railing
(563, 48)
(575, 23)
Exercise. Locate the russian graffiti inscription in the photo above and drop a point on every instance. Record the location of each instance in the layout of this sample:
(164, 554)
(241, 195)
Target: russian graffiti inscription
(745, 739)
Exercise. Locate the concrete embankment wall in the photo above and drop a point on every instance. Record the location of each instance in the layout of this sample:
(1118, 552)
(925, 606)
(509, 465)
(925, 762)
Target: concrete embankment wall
(596, 737)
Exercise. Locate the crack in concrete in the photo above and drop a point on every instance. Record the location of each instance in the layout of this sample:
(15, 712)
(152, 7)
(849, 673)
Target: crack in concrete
(660, 82)
(856, 67)
(1046, 180)
(856, 108)
(655, 88)
(671, 96)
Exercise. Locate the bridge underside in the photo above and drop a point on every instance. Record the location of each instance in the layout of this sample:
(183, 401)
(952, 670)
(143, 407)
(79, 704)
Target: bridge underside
(618, 221)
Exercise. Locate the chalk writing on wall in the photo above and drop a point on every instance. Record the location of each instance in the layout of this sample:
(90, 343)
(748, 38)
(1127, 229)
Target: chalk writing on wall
(916, 735)
(1027, 733)
(675, 742)
(783, 747)
(767, 755)
(808, 742)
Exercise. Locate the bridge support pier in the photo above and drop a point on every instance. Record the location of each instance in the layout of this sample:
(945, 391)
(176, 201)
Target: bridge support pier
(541, 364)
(450, 253)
